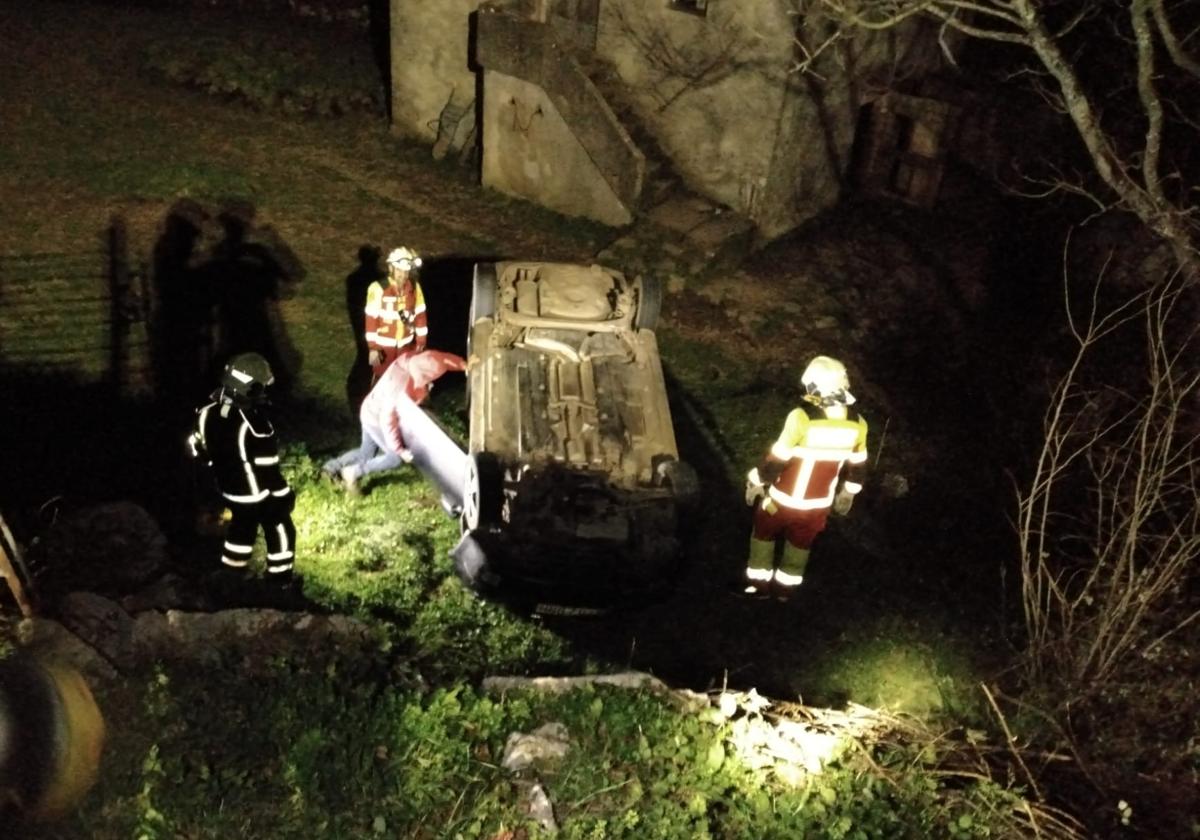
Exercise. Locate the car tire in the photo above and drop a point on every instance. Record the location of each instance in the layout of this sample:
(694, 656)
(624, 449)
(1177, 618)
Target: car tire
(678, 477)
(483, 292)
(483, 487)
(649, 303)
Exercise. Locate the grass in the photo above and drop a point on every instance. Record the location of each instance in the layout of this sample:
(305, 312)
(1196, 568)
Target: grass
(341, 746)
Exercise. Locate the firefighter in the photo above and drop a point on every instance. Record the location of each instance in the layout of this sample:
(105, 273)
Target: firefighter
(814, 466)
(395, 312)
(234, 436)
(383, 446)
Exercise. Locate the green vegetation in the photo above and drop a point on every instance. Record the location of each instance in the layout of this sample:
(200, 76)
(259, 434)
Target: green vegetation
(278, 73)
(346, 747)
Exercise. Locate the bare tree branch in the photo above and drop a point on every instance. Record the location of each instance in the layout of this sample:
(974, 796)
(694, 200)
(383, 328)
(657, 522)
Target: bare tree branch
(1140, 18)
(1136, 178)
(1174, 48)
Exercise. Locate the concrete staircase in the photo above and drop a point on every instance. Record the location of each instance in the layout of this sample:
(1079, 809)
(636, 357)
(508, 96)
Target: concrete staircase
(677, 232)
(596, 106)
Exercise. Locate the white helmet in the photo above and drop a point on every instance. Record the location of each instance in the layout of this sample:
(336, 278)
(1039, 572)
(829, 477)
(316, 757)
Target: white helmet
(404, 259)
(825, 378)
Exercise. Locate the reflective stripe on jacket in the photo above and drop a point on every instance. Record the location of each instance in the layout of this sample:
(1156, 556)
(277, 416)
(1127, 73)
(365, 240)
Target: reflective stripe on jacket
(395, 315)
(817, 451)
(242, 449)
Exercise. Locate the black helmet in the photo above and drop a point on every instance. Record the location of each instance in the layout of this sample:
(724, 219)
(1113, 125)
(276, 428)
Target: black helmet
(246, 378)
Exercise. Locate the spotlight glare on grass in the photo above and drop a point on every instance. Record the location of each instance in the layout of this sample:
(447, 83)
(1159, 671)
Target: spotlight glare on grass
(791, 748)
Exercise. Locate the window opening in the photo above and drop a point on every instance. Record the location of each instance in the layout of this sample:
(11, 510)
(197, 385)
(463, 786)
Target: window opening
(695, 7)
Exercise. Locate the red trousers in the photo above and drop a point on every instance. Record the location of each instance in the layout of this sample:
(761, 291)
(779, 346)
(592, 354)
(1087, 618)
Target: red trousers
(798, 527)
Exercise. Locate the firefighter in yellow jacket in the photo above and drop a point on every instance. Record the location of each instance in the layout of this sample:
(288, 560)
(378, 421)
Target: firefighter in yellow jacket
(815, 465)
(395, 320)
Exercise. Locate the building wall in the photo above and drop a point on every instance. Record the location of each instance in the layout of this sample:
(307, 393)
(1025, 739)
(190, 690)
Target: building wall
(429, 61)
(718, 126)
(721, 95)
(717, 92)
(530, 151)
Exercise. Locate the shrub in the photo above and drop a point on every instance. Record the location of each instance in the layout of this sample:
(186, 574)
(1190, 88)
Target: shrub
(285, 74)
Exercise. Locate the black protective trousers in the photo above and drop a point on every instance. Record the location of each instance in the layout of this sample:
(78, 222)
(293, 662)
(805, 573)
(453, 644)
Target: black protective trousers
(274, 515)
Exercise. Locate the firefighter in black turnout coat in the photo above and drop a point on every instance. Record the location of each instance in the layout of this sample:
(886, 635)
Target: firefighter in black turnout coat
(234, 436)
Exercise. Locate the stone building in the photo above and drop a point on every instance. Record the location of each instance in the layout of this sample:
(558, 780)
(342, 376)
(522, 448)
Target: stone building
(602, 108)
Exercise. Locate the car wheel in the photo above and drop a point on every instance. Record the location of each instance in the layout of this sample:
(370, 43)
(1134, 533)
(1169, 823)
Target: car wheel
(649, 303)
(482, 492)
(679, 478)
(483, 292)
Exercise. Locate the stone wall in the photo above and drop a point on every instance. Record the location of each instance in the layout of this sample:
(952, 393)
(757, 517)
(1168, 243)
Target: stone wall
(710, 89)
(429, 63)
(548, 134)
(720, 94)
(528, 150)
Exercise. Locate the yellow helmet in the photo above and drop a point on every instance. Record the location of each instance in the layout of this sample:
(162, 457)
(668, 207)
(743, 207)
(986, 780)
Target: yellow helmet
(404, 259)
(825, 379)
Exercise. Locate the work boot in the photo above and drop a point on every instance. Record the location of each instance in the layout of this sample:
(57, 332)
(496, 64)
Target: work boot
(782, 593)
(350, 481)
(753, 588)
(226, 586)
(282, 591)
(785, 586)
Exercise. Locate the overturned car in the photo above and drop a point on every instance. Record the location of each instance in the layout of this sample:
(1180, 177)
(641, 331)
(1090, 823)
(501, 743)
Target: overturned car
(571, 488)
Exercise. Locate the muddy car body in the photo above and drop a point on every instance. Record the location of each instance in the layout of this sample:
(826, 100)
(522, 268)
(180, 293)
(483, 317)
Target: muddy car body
(572, 484)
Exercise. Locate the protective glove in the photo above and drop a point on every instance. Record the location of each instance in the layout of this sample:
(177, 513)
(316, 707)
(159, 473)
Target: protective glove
(755, 489)
(842, 502)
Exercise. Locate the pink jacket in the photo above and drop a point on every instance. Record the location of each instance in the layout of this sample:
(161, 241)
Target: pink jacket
(411, 375)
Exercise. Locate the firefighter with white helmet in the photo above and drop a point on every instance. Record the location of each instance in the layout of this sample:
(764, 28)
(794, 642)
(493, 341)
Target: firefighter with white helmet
(395, 312)
(234, 436)
(815, 465)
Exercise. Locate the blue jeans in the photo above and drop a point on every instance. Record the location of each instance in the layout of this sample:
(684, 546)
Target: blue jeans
(371, 456)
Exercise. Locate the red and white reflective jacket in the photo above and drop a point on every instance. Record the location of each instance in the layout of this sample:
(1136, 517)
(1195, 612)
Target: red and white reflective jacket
(395, 317)
(817, 451)
(411, 375)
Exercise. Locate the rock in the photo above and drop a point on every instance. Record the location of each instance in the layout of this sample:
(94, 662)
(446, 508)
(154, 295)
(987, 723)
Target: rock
(99, 638)
(683, 699)
(545, 745)
(247, 633)
(151, 637)
(169, 592)
(49, 640)
(894, 486)
(541, 809)
(112, 547)
(559, 685)
(100, 623)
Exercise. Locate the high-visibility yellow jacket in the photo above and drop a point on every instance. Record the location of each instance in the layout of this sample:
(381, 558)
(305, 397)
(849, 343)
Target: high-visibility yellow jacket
(817, 451)
(395, 316)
